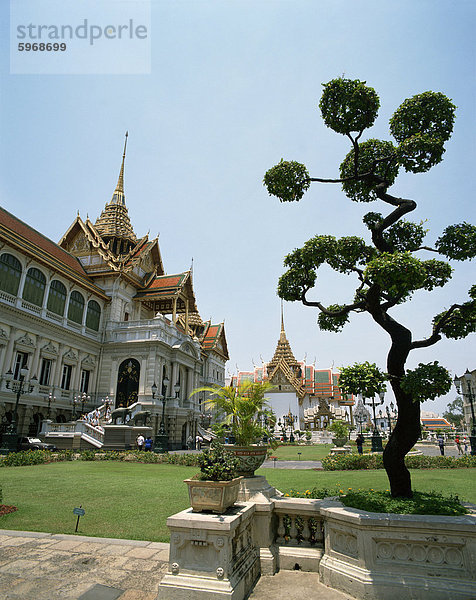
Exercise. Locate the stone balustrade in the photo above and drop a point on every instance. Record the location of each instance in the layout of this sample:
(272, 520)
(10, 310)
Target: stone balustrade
(299, 533)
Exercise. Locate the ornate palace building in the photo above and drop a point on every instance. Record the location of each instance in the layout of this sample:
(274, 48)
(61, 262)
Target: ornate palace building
(96, 317)
(303, 397)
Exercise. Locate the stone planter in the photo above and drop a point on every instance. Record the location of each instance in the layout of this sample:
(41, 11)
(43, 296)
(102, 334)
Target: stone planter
(340, 441)
(215, 496)
(251, 458)
(398, 557)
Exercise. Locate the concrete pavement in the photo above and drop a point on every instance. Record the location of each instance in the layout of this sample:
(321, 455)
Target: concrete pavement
(44, 566)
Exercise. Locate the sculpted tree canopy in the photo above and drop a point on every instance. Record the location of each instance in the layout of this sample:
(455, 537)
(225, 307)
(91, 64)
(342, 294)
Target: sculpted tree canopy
(390, 267)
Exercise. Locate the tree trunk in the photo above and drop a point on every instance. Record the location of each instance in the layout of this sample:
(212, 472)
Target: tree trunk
(407, 430)
(403, 438)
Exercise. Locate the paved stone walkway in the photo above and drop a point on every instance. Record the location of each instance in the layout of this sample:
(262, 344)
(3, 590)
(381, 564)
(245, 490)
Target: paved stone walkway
(44, 566)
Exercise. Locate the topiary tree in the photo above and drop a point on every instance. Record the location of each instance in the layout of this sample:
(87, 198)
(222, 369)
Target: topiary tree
(389, 270)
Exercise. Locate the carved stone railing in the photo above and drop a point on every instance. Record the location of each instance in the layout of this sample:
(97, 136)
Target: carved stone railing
(8, 298)
(31, 307)
(398, 557)
(88, 432)
(211, 556)
(299, 533)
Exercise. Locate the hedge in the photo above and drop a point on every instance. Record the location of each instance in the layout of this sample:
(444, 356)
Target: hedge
(37, 457)
(351, 462)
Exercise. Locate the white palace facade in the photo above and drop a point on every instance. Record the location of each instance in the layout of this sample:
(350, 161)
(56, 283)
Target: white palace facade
(96, 319)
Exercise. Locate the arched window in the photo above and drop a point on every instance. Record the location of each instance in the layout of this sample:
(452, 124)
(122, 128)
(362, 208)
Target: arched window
(34, 289)
(57, 297)
(10, 273)
(76, 307)
(93, 315)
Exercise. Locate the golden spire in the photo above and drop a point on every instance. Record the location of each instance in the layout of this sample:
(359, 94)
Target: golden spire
(118, 196)
(283, 350)
(114, 220)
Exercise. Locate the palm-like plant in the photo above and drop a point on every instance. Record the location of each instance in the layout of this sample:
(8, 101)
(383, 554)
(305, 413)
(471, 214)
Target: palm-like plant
(243, 407)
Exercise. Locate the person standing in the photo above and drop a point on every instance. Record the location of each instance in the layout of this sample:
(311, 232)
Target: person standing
(441, 444)
(458, 444)
(148, 444)
(140, 441)
(359, 440)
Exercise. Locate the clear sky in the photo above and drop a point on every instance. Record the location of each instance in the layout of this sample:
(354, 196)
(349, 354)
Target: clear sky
(233, 87)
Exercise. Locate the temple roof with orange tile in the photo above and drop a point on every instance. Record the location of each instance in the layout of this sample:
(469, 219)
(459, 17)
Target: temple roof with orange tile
(28, 240)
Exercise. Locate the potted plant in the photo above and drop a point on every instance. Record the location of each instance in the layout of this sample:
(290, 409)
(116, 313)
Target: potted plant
(245, 409)
(341, 431)
(216, 487)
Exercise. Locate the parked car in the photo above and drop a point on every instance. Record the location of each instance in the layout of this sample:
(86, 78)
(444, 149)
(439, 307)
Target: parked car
(33, 443)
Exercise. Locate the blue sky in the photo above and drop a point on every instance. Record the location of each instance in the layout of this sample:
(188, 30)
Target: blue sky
(234, 87)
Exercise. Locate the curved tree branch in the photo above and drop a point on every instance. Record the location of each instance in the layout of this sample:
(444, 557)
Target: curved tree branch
(337, 313)
(436, 336)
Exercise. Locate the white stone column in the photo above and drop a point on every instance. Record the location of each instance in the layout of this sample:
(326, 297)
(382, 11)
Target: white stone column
(76, 376)
(173, 379)
(22, 282)
(142, 376)
(36, 358)
(113, 380)
(59, 361)
(7, 361)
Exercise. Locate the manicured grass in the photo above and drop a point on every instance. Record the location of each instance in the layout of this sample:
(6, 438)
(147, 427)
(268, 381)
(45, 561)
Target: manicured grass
(446, 481)
(121, 500)
(315, 452)
(133, 500)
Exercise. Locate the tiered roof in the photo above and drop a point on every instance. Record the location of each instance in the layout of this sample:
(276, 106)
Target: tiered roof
(31, 242)
(114, 222)
(305, 379)
(169, 294)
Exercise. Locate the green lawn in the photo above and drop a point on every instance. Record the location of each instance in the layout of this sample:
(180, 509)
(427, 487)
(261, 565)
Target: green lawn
(133, 500)
(121, 500)
(315, 452)
(447, 481)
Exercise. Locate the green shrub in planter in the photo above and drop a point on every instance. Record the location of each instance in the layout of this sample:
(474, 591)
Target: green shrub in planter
(217, 464)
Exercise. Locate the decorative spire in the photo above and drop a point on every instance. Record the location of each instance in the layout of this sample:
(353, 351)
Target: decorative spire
(119, 197)
(283, 350)
(114, 222)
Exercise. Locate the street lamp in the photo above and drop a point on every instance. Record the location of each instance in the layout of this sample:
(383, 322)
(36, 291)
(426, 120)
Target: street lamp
(84, 398)
(19, 387)
(376, 437)
(469, 394)
(389, 417)
(161, 438)
(75, 401)
(51, 399)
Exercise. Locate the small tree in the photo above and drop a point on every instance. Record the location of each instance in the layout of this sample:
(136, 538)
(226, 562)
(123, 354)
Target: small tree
(454, 412)
(387, 272)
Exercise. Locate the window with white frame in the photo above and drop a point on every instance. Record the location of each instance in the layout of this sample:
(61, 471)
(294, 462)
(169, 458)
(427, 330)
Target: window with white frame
(85, 380)
(21, 361)
(45, 371)
(66, 377)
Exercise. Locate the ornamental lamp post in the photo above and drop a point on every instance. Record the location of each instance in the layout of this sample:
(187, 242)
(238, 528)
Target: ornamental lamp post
(84, 398)
(51, 399)
(20, 387)
(389, 416)
(75, 401)
(469, 394)
(161, 438)
(376, 437)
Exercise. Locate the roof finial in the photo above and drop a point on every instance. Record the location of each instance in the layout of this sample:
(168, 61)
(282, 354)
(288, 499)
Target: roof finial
(118, 197)
(282, 316)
